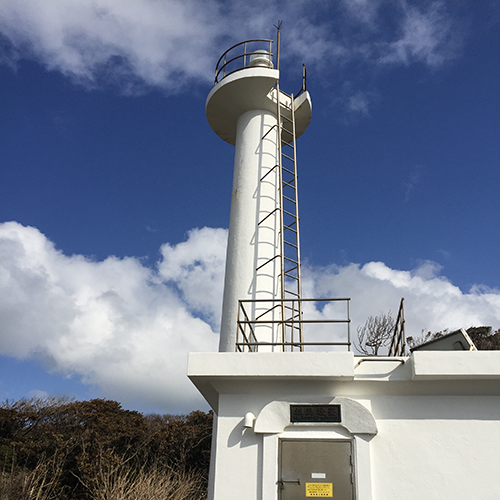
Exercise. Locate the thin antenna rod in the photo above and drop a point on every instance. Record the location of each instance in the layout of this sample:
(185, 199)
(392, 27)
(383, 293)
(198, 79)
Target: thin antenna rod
(278, 27)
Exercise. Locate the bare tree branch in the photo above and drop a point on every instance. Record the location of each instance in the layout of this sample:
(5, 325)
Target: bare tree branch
(375, 334)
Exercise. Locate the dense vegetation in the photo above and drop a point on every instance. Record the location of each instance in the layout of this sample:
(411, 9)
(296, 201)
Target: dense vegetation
(82, 450)
(483, 337)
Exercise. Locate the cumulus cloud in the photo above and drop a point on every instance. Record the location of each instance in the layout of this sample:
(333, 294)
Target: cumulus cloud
(171, 43)
(114, 323)
(432, 302)
(196, 267)
(128, 329)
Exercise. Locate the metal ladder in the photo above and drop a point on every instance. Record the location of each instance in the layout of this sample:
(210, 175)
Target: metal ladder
(290, 238)
(289, 241)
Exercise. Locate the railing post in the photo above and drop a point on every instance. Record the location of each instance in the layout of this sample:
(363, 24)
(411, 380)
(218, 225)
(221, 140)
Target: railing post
(398, 342)
(236, 347)
(349, 324)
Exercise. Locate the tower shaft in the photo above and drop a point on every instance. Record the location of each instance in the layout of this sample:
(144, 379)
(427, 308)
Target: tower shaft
(247, 109)
(250, 245)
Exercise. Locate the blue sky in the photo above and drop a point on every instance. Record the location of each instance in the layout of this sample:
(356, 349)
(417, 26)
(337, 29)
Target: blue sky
(115, 192)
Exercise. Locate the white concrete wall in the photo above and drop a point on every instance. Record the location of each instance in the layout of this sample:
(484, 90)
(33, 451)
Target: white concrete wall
(436, 447)
(238, 456)
(430, 448)
(437, 435)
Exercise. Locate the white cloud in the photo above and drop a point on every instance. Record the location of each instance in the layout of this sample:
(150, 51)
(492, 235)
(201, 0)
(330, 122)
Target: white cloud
(197, 268)
(115, 323)
(432, 302)
(360, 102)
(414, 180)
(164, 43)
(357, 103)
(128, 329)
(364, 11)
(171, 43)
(425, 35)
(36, 394)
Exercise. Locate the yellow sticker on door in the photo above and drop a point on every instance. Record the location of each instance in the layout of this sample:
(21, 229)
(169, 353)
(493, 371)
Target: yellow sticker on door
(319, 489)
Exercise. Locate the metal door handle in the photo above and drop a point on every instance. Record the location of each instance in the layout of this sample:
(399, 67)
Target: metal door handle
(282, 482)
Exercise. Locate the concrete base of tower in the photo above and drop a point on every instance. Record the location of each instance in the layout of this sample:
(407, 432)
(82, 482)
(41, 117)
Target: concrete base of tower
(424, 426)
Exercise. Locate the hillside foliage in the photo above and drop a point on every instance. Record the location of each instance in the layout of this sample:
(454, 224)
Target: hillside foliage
(82, 450)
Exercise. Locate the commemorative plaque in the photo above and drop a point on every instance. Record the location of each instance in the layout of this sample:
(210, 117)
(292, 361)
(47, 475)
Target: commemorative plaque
(315, 413)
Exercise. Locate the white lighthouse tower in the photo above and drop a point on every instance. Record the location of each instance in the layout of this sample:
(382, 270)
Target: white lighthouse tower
(297, 414)
(247, 109)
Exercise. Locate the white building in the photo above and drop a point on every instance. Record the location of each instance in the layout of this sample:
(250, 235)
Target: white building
(311, 423)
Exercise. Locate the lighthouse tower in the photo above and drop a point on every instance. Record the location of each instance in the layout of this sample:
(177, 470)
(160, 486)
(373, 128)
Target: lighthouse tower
(297, 414)
(247, 109)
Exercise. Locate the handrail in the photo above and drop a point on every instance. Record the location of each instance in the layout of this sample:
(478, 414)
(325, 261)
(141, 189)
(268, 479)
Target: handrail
(243, 330)
(304, 78)
(289, 323)
(242, 56)
(398, 343)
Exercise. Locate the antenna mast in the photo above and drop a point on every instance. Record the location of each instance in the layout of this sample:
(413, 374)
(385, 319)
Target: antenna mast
(278, 28)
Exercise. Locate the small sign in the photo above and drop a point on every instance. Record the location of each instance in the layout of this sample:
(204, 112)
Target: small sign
(319, 489)
(318, 475)
(315, 413)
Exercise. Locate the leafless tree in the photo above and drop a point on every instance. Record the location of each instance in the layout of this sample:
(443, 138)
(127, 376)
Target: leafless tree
(413, 342)
(375, 334)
